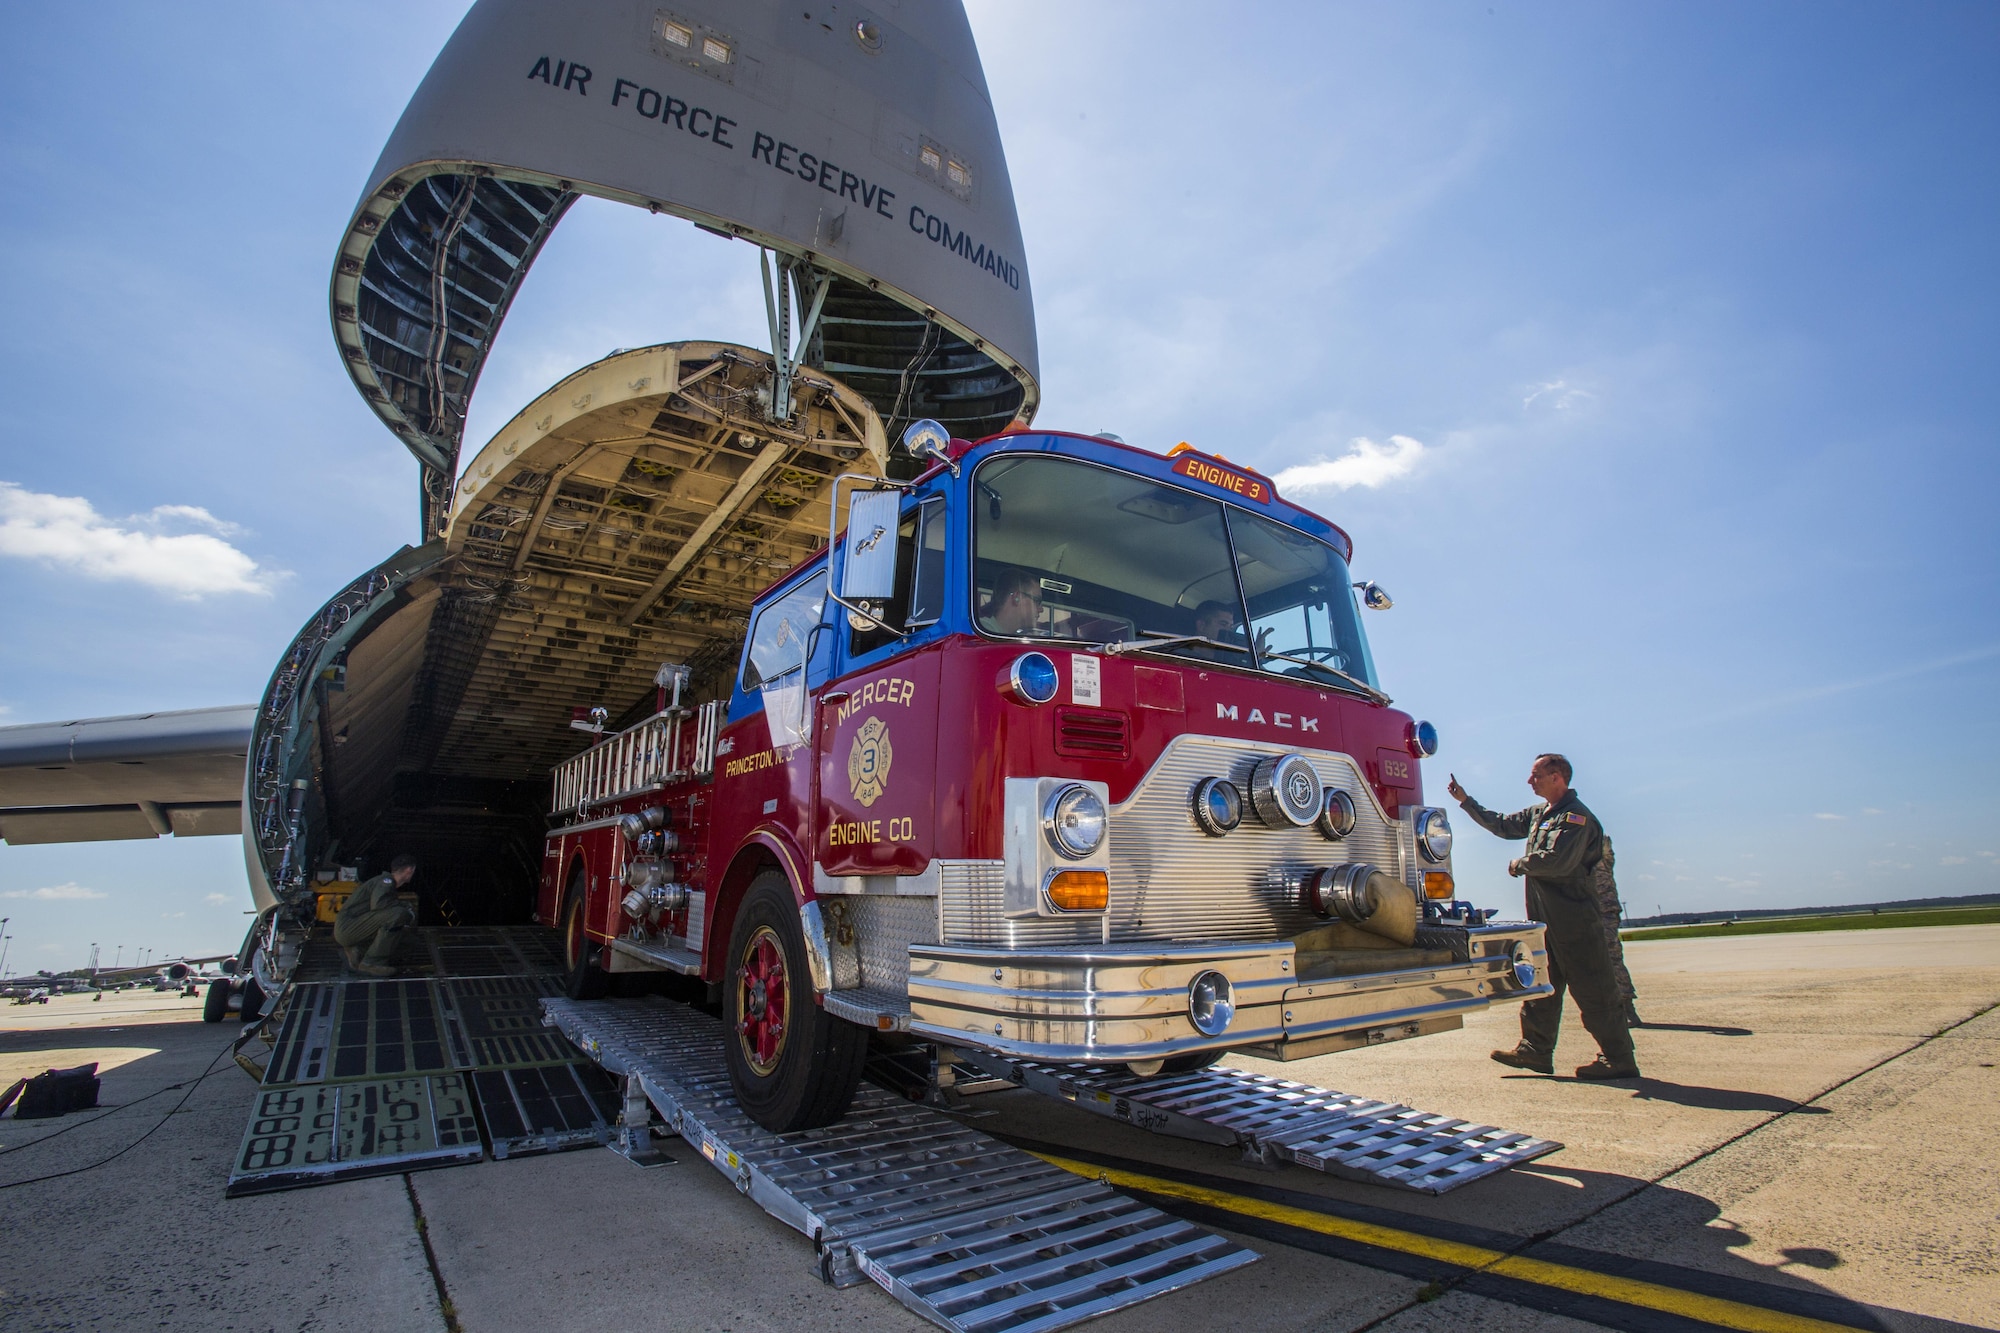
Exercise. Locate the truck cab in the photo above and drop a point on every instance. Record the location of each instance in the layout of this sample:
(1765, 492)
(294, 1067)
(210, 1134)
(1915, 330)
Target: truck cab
(1061, 750)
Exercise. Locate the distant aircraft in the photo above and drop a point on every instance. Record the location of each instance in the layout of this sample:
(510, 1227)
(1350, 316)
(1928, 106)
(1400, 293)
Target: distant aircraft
(423, 707)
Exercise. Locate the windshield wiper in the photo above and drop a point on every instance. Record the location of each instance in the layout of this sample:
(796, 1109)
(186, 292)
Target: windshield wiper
(1153, 638)
(1362, 685)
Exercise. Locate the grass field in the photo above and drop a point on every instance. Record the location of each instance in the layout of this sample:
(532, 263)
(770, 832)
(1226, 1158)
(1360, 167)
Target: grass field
(1786, 925)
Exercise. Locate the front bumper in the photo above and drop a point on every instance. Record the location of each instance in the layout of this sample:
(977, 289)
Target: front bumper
(1128, 1003)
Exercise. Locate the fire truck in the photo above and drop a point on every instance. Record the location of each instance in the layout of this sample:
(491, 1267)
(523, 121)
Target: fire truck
(1060, 750)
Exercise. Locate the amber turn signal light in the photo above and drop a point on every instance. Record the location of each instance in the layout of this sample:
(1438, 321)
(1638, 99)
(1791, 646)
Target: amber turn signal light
(1437, 884)
(1080, 890)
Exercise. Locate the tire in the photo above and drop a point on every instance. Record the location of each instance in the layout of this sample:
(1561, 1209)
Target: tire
(253, 999)
(1191, 1064)
(216, 1007)
(585, 979)
(801, 1071)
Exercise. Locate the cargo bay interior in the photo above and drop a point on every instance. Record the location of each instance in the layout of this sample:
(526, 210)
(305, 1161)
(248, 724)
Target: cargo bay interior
(623, 519)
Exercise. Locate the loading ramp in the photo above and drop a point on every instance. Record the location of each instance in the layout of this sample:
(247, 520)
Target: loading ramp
(1275, 1120)
(973, 1234)
(448, 1063)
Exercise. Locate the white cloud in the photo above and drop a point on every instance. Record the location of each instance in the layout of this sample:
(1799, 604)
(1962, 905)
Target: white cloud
(1952, 860)
(56, 893)
(67, 532)
(217, 900)
(1365, 464)
(169, 916)
(1560, 395)
(1824, 815)
(1870, 810)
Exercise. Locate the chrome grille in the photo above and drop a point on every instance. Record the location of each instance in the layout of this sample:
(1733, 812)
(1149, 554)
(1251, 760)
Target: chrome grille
(972, 897)
(1171, 881)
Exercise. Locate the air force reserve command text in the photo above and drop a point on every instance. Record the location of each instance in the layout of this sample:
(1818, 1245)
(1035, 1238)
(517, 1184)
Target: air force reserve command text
(678, 115)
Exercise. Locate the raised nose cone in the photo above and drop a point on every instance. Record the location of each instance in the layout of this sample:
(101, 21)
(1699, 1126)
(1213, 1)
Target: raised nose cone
(867, 152)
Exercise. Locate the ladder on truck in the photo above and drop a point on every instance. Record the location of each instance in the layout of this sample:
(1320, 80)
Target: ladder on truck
(971, 1233)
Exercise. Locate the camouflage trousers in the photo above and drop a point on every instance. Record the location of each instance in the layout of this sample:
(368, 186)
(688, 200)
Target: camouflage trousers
(1604, 887)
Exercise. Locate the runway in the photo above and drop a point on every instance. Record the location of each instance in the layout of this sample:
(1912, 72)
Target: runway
(1805, 1152)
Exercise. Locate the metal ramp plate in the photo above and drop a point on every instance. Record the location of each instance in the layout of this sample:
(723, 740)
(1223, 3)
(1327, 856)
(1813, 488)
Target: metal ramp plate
(546, 1108)
(1276, 1120)
(972, 1234)
(359, 1029)
(370, 1076)
(320, 1133)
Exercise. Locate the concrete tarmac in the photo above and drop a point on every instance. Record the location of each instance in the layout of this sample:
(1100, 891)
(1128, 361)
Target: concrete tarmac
(1808, 1144)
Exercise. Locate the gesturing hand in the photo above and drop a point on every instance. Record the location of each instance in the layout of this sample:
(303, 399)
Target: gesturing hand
(1457, 792)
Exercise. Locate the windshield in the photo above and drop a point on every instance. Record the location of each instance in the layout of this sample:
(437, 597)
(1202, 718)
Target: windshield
(1067, 550)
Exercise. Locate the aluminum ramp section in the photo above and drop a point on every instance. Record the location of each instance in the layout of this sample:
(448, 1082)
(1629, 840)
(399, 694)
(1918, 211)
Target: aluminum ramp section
(1276, 1120)
(973, 1234)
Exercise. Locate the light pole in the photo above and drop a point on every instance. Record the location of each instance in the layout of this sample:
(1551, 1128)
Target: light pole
(118, 959)
(4, 937)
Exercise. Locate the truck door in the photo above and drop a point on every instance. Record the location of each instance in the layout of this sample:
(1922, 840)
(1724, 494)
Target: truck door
(878, 726)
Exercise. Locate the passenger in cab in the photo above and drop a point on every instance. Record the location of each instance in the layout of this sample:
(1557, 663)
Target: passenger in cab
(1016, 604)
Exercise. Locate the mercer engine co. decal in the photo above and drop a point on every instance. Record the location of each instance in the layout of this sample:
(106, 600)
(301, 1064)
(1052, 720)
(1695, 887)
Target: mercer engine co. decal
(868, 762)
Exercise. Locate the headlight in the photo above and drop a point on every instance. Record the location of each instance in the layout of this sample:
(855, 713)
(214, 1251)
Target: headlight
(1433, 835)
(1218, 806)
(1031, 678)
(1336, 814)
(1211, 1004)
(1073, 821)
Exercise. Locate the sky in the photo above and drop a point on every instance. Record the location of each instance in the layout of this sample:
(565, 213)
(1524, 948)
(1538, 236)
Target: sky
(1644, 350)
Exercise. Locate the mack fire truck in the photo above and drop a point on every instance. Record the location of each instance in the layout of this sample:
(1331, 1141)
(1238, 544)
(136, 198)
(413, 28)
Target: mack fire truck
(1058, 749)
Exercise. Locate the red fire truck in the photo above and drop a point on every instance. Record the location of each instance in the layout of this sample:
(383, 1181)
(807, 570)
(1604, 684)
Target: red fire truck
(1062, 750)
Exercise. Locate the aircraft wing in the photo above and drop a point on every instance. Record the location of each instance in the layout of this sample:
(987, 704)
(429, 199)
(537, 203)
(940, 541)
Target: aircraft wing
(139, 776)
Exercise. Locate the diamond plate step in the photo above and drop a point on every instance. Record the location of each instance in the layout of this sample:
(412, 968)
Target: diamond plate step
(1276, 1120)
(974, 1235)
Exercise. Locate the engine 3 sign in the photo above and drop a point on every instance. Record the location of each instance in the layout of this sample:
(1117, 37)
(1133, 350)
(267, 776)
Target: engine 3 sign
(1199, 467)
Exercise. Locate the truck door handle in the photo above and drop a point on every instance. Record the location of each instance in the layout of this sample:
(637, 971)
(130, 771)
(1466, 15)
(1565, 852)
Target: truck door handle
(834, 697)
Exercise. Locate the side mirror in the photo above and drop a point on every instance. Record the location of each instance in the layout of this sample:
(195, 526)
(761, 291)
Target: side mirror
(931, 442)
(1373, 597)
(868, 573)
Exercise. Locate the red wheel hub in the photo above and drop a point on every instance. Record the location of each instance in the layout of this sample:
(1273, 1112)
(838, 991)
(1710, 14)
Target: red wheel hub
(763, 1001)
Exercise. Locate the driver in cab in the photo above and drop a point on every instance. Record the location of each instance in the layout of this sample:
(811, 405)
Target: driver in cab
(1218, 622)
(1016, 604)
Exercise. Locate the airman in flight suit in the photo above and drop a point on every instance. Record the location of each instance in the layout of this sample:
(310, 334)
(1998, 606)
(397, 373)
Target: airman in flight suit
(371, 921)
(1565, 844)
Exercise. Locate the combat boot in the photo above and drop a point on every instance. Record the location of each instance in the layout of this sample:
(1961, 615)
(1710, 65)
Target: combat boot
(375, 969)
(1601, 1069)
(1523, 1058)
(352, 954)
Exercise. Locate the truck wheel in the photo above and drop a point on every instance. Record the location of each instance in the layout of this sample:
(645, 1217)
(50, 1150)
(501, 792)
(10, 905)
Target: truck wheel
(216, 1007)
(793, 1065)
(253, 999)
(586, 980)
(1191, 1064)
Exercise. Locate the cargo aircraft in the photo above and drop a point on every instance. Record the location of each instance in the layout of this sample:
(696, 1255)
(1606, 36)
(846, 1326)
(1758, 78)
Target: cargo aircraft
(855, 152)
